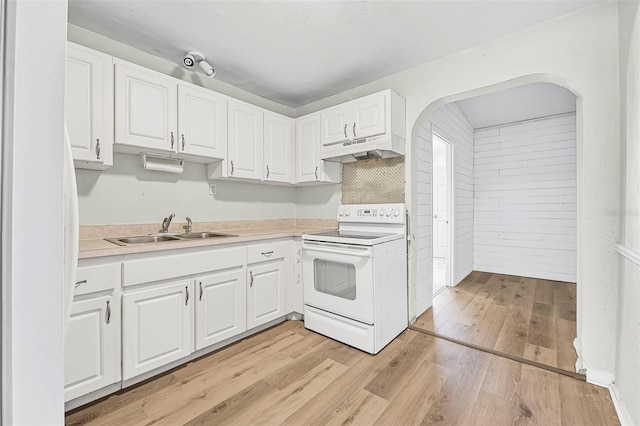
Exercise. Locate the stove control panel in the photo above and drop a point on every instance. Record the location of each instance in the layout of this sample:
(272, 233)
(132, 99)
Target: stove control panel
(372, 213)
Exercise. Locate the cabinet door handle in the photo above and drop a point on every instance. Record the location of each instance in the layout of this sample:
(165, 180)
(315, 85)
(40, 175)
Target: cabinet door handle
(186, 302)
(267, 172)
(79, 283)
(251, 279)
(316, 172)
(345, 130)
(354, 130)
(183, 141)
(232, 167)
(200, 290)
(172, 140)
(98, 149)
(267, 253)
(108, 313)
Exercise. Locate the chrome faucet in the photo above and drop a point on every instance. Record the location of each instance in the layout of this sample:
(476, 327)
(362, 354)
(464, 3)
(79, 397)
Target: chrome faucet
(189, 225)
(166, 222)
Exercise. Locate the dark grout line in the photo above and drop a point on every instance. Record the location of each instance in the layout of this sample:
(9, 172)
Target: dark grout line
(571, 374)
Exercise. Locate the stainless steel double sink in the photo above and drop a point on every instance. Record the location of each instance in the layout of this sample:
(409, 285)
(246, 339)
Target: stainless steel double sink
(144, 239)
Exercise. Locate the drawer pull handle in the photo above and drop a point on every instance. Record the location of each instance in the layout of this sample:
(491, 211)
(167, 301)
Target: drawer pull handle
(316, 172)
(172, 140)
(251, 280)
(267, 172)
(201, 291)
(97, 149)
(345, 130)
(183, 141)
(186, 302)
(354, 130)
(267, 253)
(232, 167)
(79, 283)
(108, 313)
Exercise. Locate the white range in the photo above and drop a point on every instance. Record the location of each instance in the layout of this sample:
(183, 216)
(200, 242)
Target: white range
(355, 278)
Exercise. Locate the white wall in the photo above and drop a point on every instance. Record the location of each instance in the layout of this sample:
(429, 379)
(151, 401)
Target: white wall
(126, 193)
(627, 372)
(566, 51)
(32, 233)
(525, 197)
(449, 123)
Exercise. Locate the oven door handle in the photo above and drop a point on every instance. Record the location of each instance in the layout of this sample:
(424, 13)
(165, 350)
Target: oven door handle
(360, 251)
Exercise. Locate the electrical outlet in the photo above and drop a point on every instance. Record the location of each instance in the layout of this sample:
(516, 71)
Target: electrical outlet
(212, 189)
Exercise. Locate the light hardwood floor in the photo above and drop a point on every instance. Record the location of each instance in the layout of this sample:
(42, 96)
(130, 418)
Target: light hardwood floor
(523, 317)
(289, 375)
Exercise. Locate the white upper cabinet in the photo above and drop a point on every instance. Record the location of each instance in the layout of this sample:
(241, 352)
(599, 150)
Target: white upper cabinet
(158, 113)
(202, 122)
(278, 161)
(367, 116)
(245, 139)
(88, 106)
(145, 107)
(309, 166)
(334, 123)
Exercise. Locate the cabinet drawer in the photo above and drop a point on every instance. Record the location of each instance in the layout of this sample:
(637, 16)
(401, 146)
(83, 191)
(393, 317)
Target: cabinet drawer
(92, 279)
(263, 252)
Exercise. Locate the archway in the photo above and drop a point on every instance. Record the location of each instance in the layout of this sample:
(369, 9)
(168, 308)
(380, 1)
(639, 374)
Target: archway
(419, 184)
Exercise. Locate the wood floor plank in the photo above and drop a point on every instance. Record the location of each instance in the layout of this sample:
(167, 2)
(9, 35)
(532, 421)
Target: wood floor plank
(418, 379)
(541, 354)
(566, 332)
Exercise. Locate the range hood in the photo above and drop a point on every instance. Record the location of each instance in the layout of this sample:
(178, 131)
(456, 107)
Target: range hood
(382, 146)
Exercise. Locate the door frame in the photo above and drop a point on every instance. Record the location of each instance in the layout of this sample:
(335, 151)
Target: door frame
(450, 206)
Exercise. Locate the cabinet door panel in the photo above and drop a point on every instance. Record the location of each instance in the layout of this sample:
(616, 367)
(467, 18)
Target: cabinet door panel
(88, 105)
(265, 297)
(202, 121)
(334, 124)
(146, 109)
(368, 116)
(92, 349)
(277, 148)
(220, 308)
(308, 162)
(245, 141)
(158, 327)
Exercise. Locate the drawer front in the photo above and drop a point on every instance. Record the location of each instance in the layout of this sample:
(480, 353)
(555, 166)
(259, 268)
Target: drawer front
(265, 252)
(92, 279)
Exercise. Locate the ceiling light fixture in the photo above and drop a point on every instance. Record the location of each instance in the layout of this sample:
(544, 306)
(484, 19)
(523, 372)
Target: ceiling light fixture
(191, 58)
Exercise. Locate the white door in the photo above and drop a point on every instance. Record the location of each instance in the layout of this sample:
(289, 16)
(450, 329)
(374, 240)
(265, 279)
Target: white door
(220, 307)
(92, 346)
(145, 109)
(440, 216)
(158, 327)
(265, 295)
(202, 122)
(368, 117)
(278, 161)
(88, 104)
(334, 123)
(245, 140)
(308, 162)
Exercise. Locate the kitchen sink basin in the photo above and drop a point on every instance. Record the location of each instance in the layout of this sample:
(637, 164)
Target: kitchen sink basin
(200, 235)
(143, 239)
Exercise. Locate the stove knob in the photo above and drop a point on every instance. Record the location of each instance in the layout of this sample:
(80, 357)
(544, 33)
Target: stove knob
(389, 213)
(347, 212)
(396, 212)
(381, 212)
(340, 213)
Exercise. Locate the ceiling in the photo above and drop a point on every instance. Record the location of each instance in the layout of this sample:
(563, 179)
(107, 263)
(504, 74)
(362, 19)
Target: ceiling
(517, 104)
(297, 52)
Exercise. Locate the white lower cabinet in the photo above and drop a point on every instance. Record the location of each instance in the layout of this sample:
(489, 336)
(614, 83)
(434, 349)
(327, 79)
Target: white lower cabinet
(158, 326)
(265, 289)
(220, 308)
(92, 351)
(92, 346)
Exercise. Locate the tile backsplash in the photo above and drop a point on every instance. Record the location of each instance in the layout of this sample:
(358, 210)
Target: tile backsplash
(373, 181)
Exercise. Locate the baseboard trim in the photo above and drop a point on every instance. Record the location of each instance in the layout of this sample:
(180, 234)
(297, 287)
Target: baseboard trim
(628, 253)
(623, 414)
(599, 378)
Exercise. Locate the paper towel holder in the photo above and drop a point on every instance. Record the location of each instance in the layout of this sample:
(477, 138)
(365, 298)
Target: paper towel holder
(162, 163)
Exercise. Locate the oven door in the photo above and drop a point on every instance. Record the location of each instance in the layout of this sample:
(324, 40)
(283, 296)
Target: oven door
(338, 278)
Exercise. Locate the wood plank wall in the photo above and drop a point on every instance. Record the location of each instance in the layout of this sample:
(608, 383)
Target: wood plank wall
(450, 123)
(524, 219)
